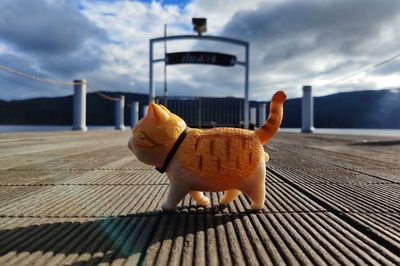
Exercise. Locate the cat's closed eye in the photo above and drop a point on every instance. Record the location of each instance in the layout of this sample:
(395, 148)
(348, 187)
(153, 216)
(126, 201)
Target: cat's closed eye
(146, 138)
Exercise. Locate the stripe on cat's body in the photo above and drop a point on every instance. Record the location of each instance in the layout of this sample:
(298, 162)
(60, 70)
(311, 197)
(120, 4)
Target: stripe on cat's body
(221, 155)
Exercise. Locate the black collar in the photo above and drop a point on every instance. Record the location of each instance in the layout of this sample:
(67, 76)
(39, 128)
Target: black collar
(173, 150)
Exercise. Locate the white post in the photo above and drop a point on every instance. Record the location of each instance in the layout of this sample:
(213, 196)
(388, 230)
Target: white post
(262, 110)
(253, 116)
(307, 111)
(79, 105)
(144, 110)
(119, 113)
(134, 113)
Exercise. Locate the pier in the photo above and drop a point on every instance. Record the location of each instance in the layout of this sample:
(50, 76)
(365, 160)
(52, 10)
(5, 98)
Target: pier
(72, 198)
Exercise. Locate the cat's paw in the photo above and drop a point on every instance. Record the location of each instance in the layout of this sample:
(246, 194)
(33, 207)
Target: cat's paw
(167, 207)
(256, 206)
(203, 201)
(224, 201)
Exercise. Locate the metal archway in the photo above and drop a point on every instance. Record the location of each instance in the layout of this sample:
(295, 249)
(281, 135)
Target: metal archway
(204, 38)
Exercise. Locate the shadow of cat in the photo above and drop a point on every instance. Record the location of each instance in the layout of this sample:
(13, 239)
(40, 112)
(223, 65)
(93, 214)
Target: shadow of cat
(137, 238)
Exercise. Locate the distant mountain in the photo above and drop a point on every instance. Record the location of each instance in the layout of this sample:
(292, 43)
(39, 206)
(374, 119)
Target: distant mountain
(58, 111)
(362, 109)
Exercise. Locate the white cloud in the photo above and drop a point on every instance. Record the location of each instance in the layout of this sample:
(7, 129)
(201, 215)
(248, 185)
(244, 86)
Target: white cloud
(293, 42)
(220, 12)
(312, 41)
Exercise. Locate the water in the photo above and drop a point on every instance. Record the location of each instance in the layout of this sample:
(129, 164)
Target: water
(34, 128)
(340, 131)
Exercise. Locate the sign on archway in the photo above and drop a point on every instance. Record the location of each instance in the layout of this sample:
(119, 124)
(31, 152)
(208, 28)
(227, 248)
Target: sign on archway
(200, 58)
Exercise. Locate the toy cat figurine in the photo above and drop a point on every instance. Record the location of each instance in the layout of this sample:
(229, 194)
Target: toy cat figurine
(219, 159)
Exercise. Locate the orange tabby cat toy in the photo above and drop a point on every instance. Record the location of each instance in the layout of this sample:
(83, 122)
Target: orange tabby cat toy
(219, 159)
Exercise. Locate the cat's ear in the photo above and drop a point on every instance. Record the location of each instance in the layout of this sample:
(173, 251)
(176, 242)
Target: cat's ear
(156, 113)
(165, 108)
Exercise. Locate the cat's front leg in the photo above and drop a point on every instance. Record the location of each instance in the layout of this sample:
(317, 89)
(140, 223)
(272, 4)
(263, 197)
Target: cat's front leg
(199, 198)
(229, 196)
(175, 195)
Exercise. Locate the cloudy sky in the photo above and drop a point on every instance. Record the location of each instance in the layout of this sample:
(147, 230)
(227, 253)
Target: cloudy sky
(323, 43)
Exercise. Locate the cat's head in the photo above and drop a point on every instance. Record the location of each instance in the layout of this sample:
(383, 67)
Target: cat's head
(155, 134)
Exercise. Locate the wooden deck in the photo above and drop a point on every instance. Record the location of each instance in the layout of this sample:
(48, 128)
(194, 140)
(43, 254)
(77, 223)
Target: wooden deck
(82, 198)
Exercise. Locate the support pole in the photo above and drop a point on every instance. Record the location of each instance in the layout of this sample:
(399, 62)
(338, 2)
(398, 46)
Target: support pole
(307, 111)
(152, 90)
(134, 113)
(79, 106)
(246, 88)
(119, 113)
(262, 110)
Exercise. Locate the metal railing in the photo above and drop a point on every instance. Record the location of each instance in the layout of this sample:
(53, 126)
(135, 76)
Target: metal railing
(201, 112)
(206, 112)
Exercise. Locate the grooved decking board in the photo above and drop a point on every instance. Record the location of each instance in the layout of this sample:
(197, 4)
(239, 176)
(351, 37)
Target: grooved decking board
(379, 197)
(117, 200)
(306, 238)
(72, 198)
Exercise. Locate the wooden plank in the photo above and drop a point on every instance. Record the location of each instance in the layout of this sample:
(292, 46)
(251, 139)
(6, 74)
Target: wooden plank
(329, 200)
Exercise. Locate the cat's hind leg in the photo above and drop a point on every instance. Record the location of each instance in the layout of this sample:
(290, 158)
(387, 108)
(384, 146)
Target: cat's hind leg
(175, 194)
(257, 195)
(199, 197)
(229, 196)
(255, 188)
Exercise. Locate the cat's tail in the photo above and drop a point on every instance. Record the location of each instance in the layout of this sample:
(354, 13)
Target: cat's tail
(270, 127)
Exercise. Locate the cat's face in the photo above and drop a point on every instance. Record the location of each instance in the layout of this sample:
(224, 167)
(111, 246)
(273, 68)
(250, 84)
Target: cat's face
(155, 134)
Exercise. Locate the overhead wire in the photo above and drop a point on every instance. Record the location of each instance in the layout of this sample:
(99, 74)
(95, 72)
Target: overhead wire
(365, 70)
(111, 98)
(101, 94)
(57, 82)
(28, 76)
